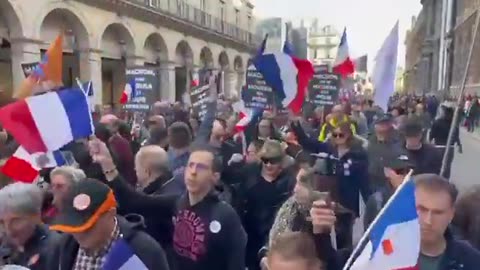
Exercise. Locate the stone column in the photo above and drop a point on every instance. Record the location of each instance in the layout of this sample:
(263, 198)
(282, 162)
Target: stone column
(230, 81)
(91, 69)
(241, 80)
(23, 51)
(167, 81)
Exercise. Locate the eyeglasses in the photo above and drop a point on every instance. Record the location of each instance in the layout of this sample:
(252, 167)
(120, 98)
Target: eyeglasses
(272, 161)
(338, 135)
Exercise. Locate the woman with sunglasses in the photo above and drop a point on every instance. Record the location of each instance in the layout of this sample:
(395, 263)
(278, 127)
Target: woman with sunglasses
(350, 168)
(262, 190)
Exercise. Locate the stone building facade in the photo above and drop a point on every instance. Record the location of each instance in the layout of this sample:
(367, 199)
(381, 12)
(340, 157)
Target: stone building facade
(462, 36)
(423, 47)
(102, 37)
(413, 55)
(323, 43)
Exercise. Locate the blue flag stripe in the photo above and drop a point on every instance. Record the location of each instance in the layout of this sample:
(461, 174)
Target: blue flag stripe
(401, 210)
(59, 159)
(267, 65)
(76, 107)
(122, 257)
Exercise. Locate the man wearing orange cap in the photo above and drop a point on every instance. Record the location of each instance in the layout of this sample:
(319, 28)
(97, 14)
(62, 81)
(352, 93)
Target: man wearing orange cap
(93, 231)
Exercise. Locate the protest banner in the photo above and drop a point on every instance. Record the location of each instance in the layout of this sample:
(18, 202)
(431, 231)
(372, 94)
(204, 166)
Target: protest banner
(198, 99)
(257, 94)
(323, 89)
(146, 84)
(28, 68)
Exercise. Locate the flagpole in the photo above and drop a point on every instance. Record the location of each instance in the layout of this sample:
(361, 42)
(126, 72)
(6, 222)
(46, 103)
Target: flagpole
(80, 85)
(456, 114)
(365, 236)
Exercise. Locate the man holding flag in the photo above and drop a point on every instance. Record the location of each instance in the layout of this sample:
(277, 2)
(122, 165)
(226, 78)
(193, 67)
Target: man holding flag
(411, 231)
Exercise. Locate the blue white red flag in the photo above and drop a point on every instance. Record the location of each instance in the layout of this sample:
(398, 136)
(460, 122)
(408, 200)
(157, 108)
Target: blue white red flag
(122, 257)
(25, 167)
(343, 64)
(394, 236)
(45, 123)
(128, 93)
(287, 75)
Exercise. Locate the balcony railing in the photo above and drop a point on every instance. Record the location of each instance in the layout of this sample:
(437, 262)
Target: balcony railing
(196, 16)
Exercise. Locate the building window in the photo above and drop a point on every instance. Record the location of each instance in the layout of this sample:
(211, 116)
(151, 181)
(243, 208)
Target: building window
(249, 23)
(222, 10)
(203, 5)
(152, 3)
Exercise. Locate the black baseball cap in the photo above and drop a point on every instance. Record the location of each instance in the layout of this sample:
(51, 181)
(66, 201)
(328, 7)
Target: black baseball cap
(398, 161)
(85, 202)
(412, 128)
(384, 118)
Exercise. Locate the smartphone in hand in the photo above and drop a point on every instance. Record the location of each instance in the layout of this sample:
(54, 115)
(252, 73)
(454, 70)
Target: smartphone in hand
(319, 196)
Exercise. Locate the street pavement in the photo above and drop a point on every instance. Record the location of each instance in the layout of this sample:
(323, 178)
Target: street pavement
(466, 166)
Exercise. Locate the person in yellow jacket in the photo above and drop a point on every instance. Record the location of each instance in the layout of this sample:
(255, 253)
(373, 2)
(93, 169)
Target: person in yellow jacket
(333, 120)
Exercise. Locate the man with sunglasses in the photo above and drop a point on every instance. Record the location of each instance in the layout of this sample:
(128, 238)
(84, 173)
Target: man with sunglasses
(397, 166)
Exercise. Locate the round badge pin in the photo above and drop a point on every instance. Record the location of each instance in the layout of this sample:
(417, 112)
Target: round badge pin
(81, 202)
(215, 226)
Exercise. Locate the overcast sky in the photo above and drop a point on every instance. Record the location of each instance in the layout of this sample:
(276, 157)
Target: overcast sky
(368, 22)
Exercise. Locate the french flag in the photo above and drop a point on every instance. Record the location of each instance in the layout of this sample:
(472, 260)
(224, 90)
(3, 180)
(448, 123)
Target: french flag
(247, 117)
(194, 79)
(287, 75)
(122, 257)
(88, 90)
(128, 93)
(394, 236)
(25, 167)
(343, 65)
(47, 122)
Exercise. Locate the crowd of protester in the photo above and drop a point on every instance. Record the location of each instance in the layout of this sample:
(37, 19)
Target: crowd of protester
(184, 194)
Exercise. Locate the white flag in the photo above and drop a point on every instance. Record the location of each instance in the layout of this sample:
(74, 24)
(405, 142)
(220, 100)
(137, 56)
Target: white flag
(383, 77)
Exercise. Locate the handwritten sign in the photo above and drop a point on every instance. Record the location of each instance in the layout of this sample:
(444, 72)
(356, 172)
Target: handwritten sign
(257, 93)
(146, 82)
(28, 68)
(324, 88)
(198, 97)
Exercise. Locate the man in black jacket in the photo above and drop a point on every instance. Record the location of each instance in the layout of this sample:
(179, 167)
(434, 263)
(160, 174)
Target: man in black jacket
(154, 178)
(94, 233)
(426, 157)
(262, 191)
(26, 241)
(439, 250)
